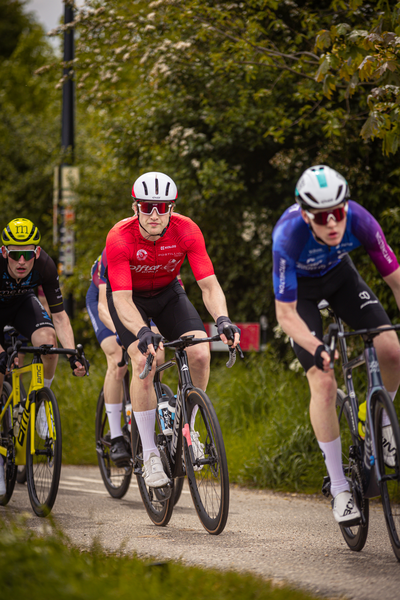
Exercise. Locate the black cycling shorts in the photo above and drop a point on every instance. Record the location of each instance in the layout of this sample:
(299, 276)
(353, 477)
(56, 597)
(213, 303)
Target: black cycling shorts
(348, 295)
(171, 311)
(26, 315)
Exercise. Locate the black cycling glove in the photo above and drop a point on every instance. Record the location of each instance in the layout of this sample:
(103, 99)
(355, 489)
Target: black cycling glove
(3, 362)
(74, 359)
(147, 337)
(225, 326)
(318, 360)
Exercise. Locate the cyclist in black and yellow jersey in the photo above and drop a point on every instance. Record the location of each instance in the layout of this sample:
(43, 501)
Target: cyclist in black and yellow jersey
(23, 267)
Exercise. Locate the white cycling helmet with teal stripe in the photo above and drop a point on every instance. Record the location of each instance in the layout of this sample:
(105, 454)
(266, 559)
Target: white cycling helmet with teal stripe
(321, 187)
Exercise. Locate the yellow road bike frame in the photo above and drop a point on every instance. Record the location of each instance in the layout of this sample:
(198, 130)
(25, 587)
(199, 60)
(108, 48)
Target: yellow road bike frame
(36, 384)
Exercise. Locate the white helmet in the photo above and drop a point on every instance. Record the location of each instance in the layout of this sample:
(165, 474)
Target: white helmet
(154, 187)
(321, 187)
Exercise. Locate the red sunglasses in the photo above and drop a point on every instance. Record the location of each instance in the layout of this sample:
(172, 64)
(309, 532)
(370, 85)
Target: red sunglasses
(146, 208)
(322, 218)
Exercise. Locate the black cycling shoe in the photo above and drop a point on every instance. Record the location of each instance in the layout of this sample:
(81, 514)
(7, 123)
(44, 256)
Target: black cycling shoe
(118, 453)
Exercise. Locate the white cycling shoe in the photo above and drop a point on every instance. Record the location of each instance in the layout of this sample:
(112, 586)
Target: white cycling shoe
(3, 488)
(41, 423)
(198, 448)
(153, 472)
(389, 446)
(345, 510)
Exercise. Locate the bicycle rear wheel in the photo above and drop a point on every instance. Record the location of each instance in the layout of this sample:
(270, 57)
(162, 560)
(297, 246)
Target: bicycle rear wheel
(390, 473)
(208, 480)
(116, 479)
(6, 437)
(356, 535)
(43, 468)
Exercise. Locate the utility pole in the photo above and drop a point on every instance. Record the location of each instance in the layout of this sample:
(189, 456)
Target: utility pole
(66, 176)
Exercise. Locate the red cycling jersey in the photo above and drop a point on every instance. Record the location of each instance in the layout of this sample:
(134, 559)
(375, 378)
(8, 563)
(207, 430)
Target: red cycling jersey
(135, 263)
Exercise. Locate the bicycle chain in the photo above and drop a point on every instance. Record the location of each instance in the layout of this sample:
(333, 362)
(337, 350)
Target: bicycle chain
(360, 487)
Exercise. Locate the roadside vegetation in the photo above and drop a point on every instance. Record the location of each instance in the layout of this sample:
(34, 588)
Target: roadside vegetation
(49, 567)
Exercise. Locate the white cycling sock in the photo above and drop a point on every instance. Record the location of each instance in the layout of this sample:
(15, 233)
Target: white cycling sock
(332, 453)
(146, 421)
(385, 417)
(47, 382)
(114, 418)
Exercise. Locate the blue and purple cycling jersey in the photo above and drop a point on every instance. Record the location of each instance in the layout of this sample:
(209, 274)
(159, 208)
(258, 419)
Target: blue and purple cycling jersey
(296, 252)
(92, 297)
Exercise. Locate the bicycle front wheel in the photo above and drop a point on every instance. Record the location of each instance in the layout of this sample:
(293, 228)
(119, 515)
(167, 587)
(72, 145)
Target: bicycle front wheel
(6, 440)
(208, 475)
(116, 479)
(387, 448)
(356, 535)
(43, 467)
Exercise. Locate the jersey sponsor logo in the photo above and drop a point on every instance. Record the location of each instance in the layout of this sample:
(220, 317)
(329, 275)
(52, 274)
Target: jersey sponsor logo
(282, 275)
(167, 247)
(145, 268)
(294, 208)
(171, 265)
(141, 254)
(383, 248)
(364, 295)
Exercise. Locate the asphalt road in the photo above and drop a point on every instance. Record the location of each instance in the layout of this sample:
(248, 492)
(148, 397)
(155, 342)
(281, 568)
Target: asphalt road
(285, 537)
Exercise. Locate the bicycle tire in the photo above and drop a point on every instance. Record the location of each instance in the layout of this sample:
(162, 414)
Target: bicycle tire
(43, 468)
(209, 486)
(390, 482)
(10, 469)
(158, 502)
(178, 481)
(356, 535)
(116, 479)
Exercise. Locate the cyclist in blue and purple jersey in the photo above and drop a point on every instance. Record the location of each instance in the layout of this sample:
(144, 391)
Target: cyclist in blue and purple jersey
(97, 307)
(311, 242)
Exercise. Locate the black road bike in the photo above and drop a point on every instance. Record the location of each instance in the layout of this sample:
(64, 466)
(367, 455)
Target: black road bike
(116, 478)
(369, 472)
(207, 469)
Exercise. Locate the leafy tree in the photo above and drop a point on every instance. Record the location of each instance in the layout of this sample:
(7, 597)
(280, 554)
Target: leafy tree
(29, 125)
(361, 58)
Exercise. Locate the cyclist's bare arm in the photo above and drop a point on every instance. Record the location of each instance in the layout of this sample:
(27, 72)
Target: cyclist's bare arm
(64, 332)
(104, 313)
(294, 326)
(129, 314)
(215, 302)
(393, 281)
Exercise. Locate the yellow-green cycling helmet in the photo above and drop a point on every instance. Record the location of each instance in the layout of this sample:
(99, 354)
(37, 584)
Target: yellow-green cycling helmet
(20, 232)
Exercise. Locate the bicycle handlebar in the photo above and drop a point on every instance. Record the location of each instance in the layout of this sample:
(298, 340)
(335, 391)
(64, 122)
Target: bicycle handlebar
(334, 334)
(17, 348)
(190, 340)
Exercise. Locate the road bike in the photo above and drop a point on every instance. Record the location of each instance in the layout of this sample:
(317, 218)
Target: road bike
(195, 418)
(117, 478)
(369, 472)
(30, 427)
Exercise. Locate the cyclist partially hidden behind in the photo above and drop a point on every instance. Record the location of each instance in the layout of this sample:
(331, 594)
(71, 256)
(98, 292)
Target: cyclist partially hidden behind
(23, 267)
(145, 253)
(311, 242)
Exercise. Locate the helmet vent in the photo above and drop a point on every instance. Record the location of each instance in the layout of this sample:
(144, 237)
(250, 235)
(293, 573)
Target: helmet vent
(311, 197)
(157, 192)
(339, 191)
(146, 192)
(167, 189)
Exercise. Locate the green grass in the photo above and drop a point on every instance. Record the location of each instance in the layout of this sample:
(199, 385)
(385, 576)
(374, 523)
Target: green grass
(262, 407)
(49, 567)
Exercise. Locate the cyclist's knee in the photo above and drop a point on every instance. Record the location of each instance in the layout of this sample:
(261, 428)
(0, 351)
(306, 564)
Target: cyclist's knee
(199, 355)
(388, 350)
(44, 335)
(323, 385)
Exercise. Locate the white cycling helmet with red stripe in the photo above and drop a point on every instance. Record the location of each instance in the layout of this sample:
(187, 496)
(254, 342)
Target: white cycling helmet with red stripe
(321, 187)
(154, 187)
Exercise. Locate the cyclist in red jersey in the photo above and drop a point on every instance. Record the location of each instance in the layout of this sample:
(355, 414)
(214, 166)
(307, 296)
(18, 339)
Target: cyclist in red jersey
(145, 254)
